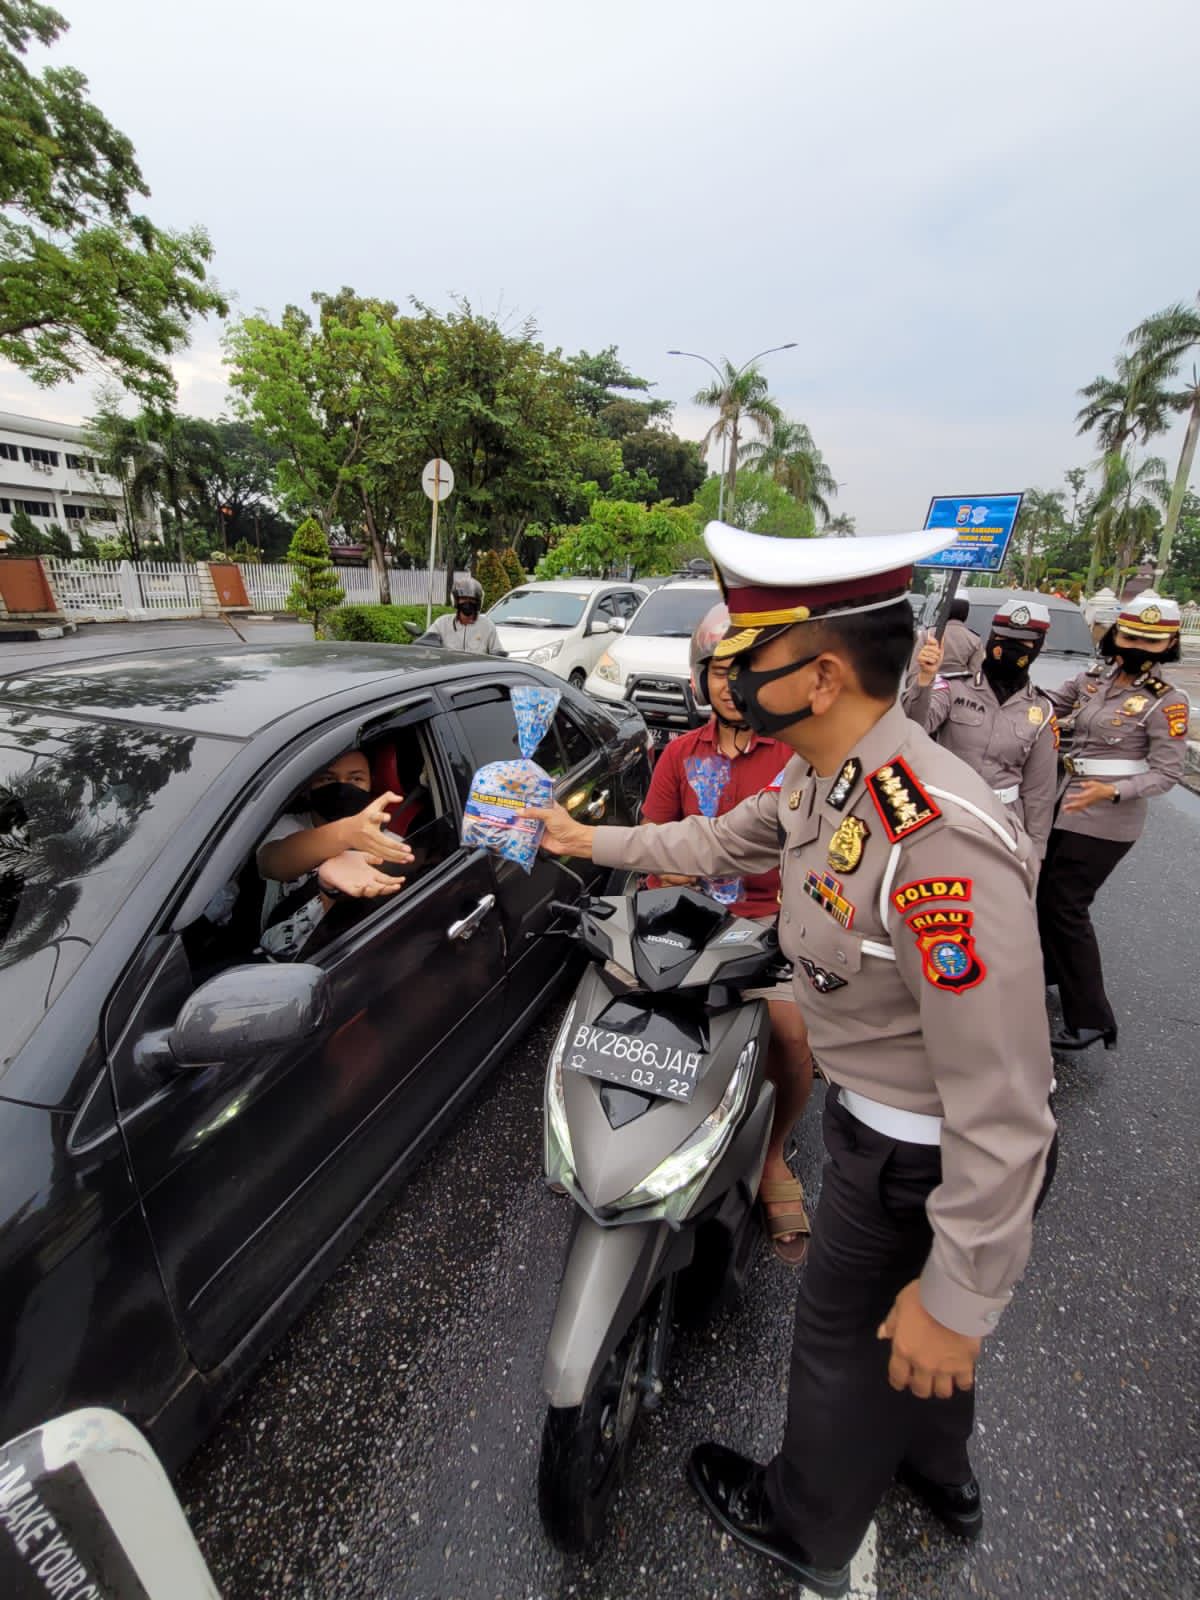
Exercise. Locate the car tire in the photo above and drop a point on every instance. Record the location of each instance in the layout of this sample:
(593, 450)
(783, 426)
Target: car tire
(577, 678)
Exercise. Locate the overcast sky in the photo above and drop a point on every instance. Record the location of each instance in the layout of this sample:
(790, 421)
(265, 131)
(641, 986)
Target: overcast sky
(957, 210)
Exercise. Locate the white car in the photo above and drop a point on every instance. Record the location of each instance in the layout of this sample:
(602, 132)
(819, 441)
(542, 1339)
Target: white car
(649, 665)
(563, 625)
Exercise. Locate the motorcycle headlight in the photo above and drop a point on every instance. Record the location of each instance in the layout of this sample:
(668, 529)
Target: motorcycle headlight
(607, 669)
(689, 1163)
(544, 653)
(558, 1155)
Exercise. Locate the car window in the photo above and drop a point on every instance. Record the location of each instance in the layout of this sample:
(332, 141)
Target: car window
(628, 601)
(672, 613)
(265, 913)
(84, 809)
(491, 731)
(538, 608)
(606, 606)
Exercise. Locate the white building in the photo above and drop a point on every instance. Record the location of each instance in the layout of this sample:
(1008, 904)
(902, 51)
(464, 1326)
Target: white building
(48, 470)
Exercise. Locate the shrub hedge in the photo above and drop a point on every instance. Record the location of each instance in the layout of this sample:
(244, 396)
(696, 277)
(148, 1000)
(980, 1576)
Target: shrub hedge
(377, 624)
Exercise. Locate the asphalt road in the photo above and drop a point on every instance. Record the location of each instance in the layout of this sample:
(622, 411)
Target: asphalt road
(389, 1448)
(116, 638)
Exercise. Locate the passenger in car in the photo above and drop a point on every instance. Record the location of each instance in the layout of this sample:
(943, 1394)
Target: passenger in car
(334, 844)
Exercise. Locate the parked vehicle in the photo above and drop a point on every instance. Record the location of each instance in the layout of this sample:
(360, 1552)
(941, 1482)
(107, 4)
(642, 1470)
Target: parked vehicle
(648, 665)
(563, 625)
(1068, 645)
(657, 1117)
(191, 1139)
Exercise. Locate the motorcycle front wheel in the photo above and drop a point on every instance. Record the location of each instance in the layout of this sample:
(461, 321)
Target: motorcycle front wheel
(585, 1448)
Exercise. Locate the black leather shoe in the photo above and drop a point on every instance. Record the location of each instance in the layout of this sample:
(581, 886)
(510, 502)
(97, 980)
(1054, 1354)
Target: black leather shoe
(1081, 1038)
(732, 1489)
(958, 1505)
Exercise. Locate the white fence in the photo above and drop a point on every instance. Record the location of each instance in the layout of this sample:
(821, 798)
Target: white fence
(114, 591)
(121, 591)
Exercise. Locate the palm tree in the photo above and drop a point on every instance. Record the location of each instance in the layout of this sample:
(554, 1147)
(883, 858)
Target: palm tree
(164, 469)
(1127, 511)
(791, 456)
(1042, 511)
(841, 526)
(1169, 335)
(739, 397)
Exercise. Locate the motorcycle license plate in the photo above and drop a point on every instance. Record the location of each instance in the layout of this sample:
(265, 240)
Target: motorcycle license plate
(639, 1049)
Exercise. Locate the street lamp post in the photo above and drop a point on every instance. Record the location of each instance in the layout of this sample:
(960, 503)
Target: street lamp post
(691, 354)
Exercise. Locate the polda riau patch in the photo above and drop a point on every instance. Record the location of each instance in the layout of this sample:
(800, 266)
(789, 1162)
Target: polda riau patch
(949, 959)
(1177, 719)
(902, 804)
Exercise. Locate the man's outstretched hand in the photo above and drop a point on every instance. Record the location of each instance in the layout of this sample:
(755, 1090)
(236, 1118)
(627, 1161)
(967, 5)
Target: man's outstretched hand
(927, 1357)
(563, 836)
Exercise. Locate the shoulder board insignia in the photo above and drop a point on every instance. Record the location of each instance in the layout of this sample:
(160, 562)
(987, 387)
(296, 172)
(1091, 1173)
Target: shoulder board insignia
(1155, 686)
(902, 804)
(839, 791)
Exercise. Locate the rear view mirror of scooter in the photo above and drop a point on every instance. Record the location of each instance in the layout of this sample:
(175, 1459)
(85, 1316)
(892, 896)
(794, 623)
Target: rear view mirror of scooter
(657, 1116)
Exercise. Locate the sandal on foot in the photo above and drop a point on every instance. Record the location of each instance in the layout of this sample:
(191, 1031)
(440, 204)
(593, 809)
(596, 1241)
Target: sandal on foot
(776, 1225)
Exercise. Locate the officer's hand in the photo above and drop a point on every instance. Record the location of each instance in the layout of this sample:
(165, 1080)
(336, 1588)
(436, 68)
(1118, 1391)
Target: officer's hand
(927, 1357)
(675, 880)
(358, 876)
(1088, 793)
(365, 831)
(563, 836)
(929, 660)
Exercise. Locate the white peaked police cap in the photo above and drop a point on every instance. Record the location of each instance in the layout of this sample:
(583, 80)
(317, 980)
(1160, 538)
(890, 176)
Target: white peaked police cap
(770, 584)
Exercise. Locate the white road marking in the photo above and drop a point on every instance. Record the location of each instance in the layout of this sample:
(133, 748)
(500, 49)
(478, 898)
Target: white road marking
(863, 1571)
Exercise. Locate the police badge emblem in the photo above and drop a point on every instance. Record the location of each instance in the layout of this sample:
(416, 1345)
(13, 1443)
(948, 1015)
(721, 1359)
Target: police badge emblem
(846, 845)
(839, 790)
(1019, 617)
(1135, 704)
(1036, 715)
(1151, 614)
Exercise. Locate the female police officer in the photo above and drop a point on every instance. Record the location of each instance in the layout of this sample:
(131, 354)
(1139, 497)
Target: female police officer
(1127, 729)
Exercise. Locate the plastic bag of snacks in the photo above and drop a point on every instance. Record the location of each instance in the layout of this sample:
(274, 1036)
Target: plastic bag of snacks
(501, 790)
(708, 776)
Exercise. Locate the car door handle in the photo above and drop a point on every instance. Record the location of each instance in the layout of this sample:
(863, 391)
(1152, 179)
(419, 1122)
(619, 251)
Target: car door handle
(598, 806)
(466, 927)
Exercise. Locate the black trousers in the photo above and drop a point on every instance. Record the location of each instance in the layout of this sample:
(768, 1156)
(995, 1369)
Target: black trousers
(847, 1429)
(1074, 869)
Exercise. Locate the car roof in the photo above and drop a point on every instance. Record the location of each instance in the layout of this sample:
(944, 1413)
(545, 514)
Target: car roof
(574, 585)
(234, 691)
(1053, 602)
(688, 583)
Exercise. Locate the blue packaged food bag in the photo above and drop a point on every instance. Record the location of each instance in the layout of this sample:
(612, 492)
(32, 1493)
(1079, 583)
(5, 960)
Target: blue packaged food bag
(707, 777)
(500, 791)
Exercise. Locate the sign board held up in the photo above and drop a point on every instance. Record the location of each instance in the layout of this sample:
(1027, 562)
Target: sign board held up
(978, 528)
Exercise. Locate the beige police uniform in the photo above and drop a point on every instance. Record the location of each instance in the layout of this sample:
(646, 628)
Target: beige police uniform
(1011, 744)
(915, 963)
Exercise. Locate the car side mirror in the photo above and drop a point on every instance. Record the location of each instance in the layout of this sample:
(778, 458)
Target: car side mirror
(238, 1015)
(600, 625)
(617, 625)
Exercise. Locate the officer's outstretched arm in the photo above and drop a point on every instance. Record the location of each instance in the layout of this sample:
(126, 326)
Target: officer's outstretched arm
(744, 840)
(974, 967)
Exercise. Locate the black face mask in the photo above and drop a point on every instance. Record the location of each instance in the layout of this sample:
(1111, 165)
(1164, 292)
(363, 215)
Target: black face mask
(1135, 660)
(468, 610)
(1010, 670)
(744, 686)
(333, 801)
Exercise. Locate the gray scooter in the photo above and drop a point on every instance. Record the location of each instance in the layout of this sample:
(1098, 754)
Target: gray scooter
(657, 1117)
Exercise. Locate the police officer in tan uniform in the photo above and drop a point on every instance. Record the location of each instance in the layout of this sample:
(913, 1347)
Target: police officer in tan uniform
(907, 912)
(1126, 728)
(996, 721)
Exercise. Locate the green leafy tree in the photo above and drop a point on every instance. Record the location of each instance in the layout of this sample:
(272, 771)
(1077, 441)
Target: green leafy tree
(759, 504)
(86, 279)
(603, 389)
(27, 539)
(513, 567)
(315, 589)
(616, 536)
(1183, 578)
(89, 548)
(490, 572)
(1043, 513)
(675, 465)
(58, 542)
(791, 456)
(741, 399)
(1166, 338)
(841, 526)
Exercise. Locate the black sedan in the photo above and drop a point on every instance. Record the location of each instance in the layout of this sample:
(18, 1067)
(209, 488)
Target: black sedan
(191, 1135)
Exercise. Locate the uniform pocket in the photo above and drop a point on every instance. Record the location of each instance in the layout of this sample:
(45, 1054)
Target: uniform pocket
(966, 715)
